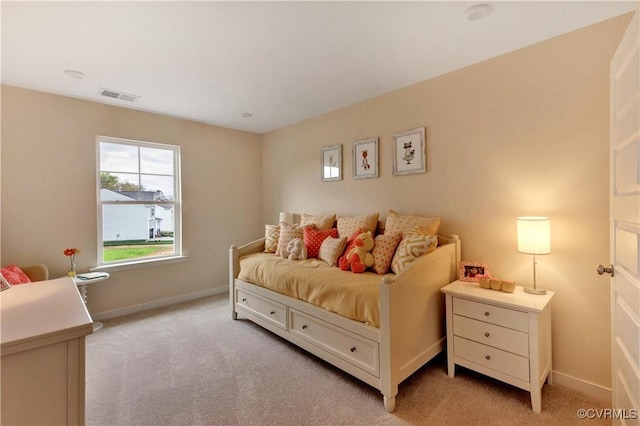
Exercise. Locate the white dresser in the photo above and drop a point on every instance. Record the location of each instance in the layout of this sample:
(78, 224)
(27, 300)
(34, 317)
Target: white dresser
(504, 335)
(42, 329)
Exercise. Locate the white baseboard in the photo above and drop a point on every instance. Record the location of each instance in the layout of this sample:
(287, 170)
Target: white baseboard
(101, 316)
(594, 390)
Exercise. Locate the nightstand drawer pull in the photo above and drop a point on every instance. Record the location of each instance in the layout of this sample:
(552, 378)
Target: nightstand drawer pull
(353, 349)
(486, 314)
(487, 357)
(487, 334)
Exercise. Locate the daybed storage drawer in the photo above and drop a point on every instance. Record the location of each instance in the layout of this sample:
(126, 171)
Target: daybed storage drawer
(356, 350)
(495, 359)
(267, 309)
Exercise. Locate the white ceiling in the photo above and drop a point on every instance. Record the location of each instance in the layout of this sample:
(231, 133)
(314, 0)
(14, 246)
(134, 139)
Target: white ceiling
(281, 61)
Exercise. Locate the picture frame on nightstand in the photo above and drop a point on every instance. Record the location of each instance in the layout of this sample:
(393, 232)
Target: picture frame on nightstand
(472, 271)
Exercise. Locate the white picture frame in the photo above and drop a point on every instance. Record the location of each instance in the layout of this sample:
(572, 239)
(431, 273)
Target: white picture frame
(409, 152)
(365, 158)
(331, 163)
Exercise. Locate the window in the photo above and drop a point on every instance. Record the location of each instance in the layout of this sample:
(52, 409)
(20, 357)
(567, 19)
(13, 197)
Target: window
(138, 201)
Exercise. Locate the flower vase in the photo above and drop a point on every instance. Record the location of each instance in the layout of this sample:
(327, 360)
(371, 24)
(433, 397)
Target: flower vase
(72, 269)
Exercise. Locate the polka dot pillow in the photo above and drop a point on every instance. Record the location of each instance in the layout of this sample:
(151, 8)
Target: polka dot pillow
(404, 223)
(383, 249)
(287, 233)
(313, 239)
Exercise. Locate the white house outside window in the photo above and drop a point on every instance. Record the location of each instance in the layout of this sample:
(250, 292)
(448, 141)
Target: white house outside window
(139, 201)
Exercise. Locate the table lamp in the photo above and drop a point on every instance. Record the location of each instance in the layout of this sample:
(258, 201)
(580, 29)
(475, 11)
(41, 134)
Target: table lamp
(534, 237)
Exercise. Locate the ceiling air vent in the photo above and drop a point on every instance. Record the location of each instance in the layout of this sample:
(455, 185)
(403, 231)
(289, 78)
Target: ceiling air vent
(118, 95)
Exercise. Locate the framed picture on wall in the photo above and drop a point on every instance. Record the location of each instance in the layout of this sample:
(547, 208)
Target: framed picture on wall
(365, 158)
(409, 152)
(331, 163)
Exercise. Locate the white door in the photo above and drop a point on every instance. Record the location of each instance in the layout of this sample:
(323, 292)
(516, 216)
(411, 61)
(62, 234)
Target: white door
(625, 226)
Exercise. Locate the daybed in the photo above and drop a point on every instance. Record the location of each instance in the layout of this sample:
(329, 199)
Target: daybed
(411, 316)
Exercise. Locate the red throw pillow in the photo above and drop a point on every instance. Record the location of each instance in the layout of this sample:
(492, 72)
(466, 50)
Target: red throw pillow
(14, 275)
(313, 239)
(350, 244)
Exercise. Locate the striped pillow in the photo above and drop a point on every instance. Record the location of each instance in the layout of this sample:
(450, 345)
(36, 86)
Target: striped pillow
(331, 248)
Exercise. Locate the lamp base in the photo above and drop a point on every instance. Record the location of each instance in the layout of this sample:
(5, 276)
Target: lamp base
(535, 290)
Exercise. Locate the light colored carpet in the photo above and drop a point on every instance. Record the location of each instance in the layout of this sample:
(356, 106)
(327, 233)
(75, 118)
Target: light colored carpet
(190, 364)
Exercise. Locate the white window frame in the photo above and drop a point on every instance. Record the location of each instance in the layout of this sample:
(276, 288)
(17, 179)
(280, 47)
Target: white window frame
(177, 256)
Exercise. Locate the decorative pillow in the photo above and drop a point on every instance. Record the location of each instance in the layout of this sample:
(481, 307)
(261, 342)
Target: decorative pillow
(287, 233)
(321, 222)
(350, 242)
(332, 248)
(383, 249)
(271, 236)
(313, 239)
(4, 284)
(14, 275)
(418, 241)
(403, 224)
(348, 225)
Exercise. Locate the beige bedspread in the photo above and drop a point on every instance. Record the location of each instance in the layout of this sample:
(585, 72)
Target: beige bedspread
(354, 296)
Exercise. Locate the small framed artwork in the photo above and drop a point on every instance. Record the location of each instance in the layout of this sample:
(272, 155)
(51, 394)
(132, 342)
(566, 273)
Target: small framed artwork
(473, 271)
(365, 158)
(331, 163)
(409, 152)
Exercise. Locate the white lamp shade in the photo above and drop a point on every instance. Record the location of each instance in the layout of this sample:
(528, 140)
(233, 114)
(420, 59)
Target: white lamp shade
(534, 235)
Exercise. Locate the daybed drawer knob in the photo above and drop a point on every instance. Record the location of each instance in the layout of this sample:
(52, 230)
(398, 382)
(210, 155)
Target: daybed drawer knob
(353, 349)
(487, 357)
(304, 327)
(244, 299)
(486, 314)
(486, 334)
(273, 312)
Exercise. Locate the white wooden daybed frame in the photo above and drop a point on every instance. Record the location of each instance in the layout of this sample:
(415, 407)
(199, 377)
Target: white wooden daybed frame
(411, 328)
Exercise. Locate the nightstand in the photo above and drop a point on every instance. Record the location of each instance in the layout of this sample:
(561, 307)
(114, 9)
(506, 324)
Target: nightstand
(506, 336)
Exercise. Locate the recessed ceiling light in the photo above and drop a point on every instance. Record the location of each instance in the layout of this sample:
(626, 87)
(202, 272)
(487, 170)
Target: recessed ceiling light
(75, 74)
(246, 115)
(477, 12)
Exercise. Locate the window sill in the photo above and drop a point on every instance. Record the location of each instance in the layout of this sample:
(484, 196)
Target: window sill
(122, 266)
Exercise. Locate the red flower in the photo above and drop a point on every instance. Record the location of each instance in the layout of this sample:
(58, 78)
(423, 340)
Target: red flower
(71, 251)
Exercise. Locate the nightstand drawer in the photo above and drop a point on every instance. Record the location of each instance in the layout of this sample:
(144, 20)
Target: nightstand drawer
(503, 338)
(495, 359)
(504, 317)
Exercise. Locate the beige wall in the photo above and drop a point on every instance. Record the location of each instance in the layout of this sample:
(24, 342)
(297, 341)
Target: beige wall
(522, 134)
(49, 195)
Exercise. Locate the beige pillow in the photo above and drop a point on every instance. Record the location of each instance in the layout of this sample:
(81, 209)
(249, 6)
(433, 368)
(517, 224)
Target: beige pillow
(418, 242)
(348, 225)
(321, 222)
(331, 248)
(403, 223)
(288, 233)
(271, 236)
(384, 248)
